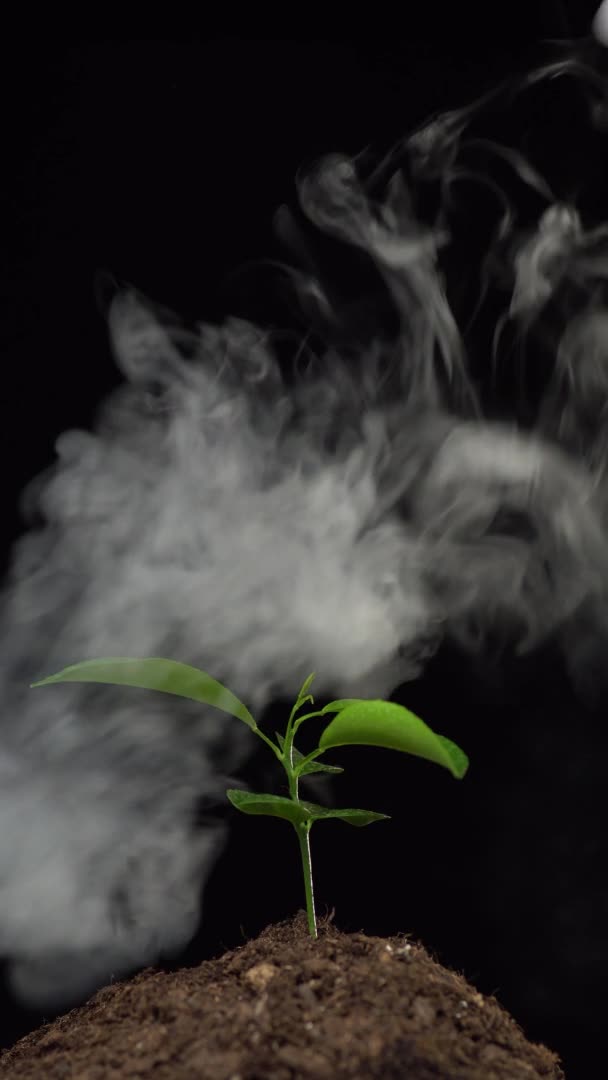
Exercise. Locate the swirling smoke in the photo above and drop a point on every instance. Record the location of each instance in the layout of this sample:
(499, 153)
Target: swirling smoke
(343, 513)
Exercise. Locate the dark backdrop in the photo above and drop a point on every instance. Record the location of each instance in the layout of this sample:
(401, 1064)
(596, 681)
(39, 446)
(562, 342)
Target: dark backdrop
(163, 163)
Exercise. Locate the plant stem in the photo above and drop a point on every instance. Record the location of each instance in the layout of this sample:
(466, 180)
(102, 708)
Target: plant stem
(306, 716)
(303, 832)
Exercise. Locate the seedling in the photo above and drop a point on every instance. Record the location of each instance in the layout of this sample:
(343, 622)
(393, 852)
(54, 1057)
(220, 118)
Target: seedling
(356, 721)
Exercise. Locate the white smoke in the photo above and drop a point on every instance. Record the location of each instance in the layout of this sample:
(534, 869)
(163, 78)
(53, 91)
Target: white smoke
(600, 23)
(344, 521)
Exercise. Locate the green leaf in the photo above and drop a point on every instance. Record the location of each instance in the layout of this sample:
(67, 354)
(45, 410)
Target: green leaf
(383, 723)
(305, 685)
(317, 766)
(298, 813)
(352, 817)
(312, 766)
(457, 756)
(302, 697)
(154, 673)
(339, 705)
(250, 802)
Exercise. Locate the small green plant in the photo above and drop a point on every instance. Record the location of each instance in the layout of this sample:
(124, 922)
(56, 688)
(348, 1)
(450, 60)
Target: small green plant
(355, 721)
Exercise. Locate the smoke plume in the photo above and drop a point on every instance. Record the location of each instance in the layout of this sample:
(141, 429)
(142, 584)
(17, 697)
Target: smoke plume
(344, 511)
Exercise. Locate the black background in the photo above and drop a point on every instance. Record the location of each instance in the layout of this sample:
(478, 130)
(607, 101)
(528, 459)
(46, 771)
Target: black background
(163, 163)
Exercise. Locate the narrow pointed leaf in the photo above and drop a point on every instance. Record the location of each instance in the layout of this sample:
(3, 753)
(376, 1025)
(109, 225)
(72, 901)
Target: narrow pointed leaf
(319, 766)
(303, 696)
(154, 673)
(298, 813)
(312, 766)
(385, 724)
(350, 816)
(305, 685)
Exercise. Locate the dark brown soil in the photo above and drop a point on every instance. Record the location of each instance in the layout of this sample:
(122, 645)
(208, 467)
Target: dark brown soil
(285, 1007)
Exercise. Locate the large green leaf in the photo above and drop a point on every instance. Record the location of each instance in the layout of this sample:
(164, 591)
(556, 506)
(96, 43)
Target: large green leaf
(154, 673)
(383, 723)
(298, 813)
